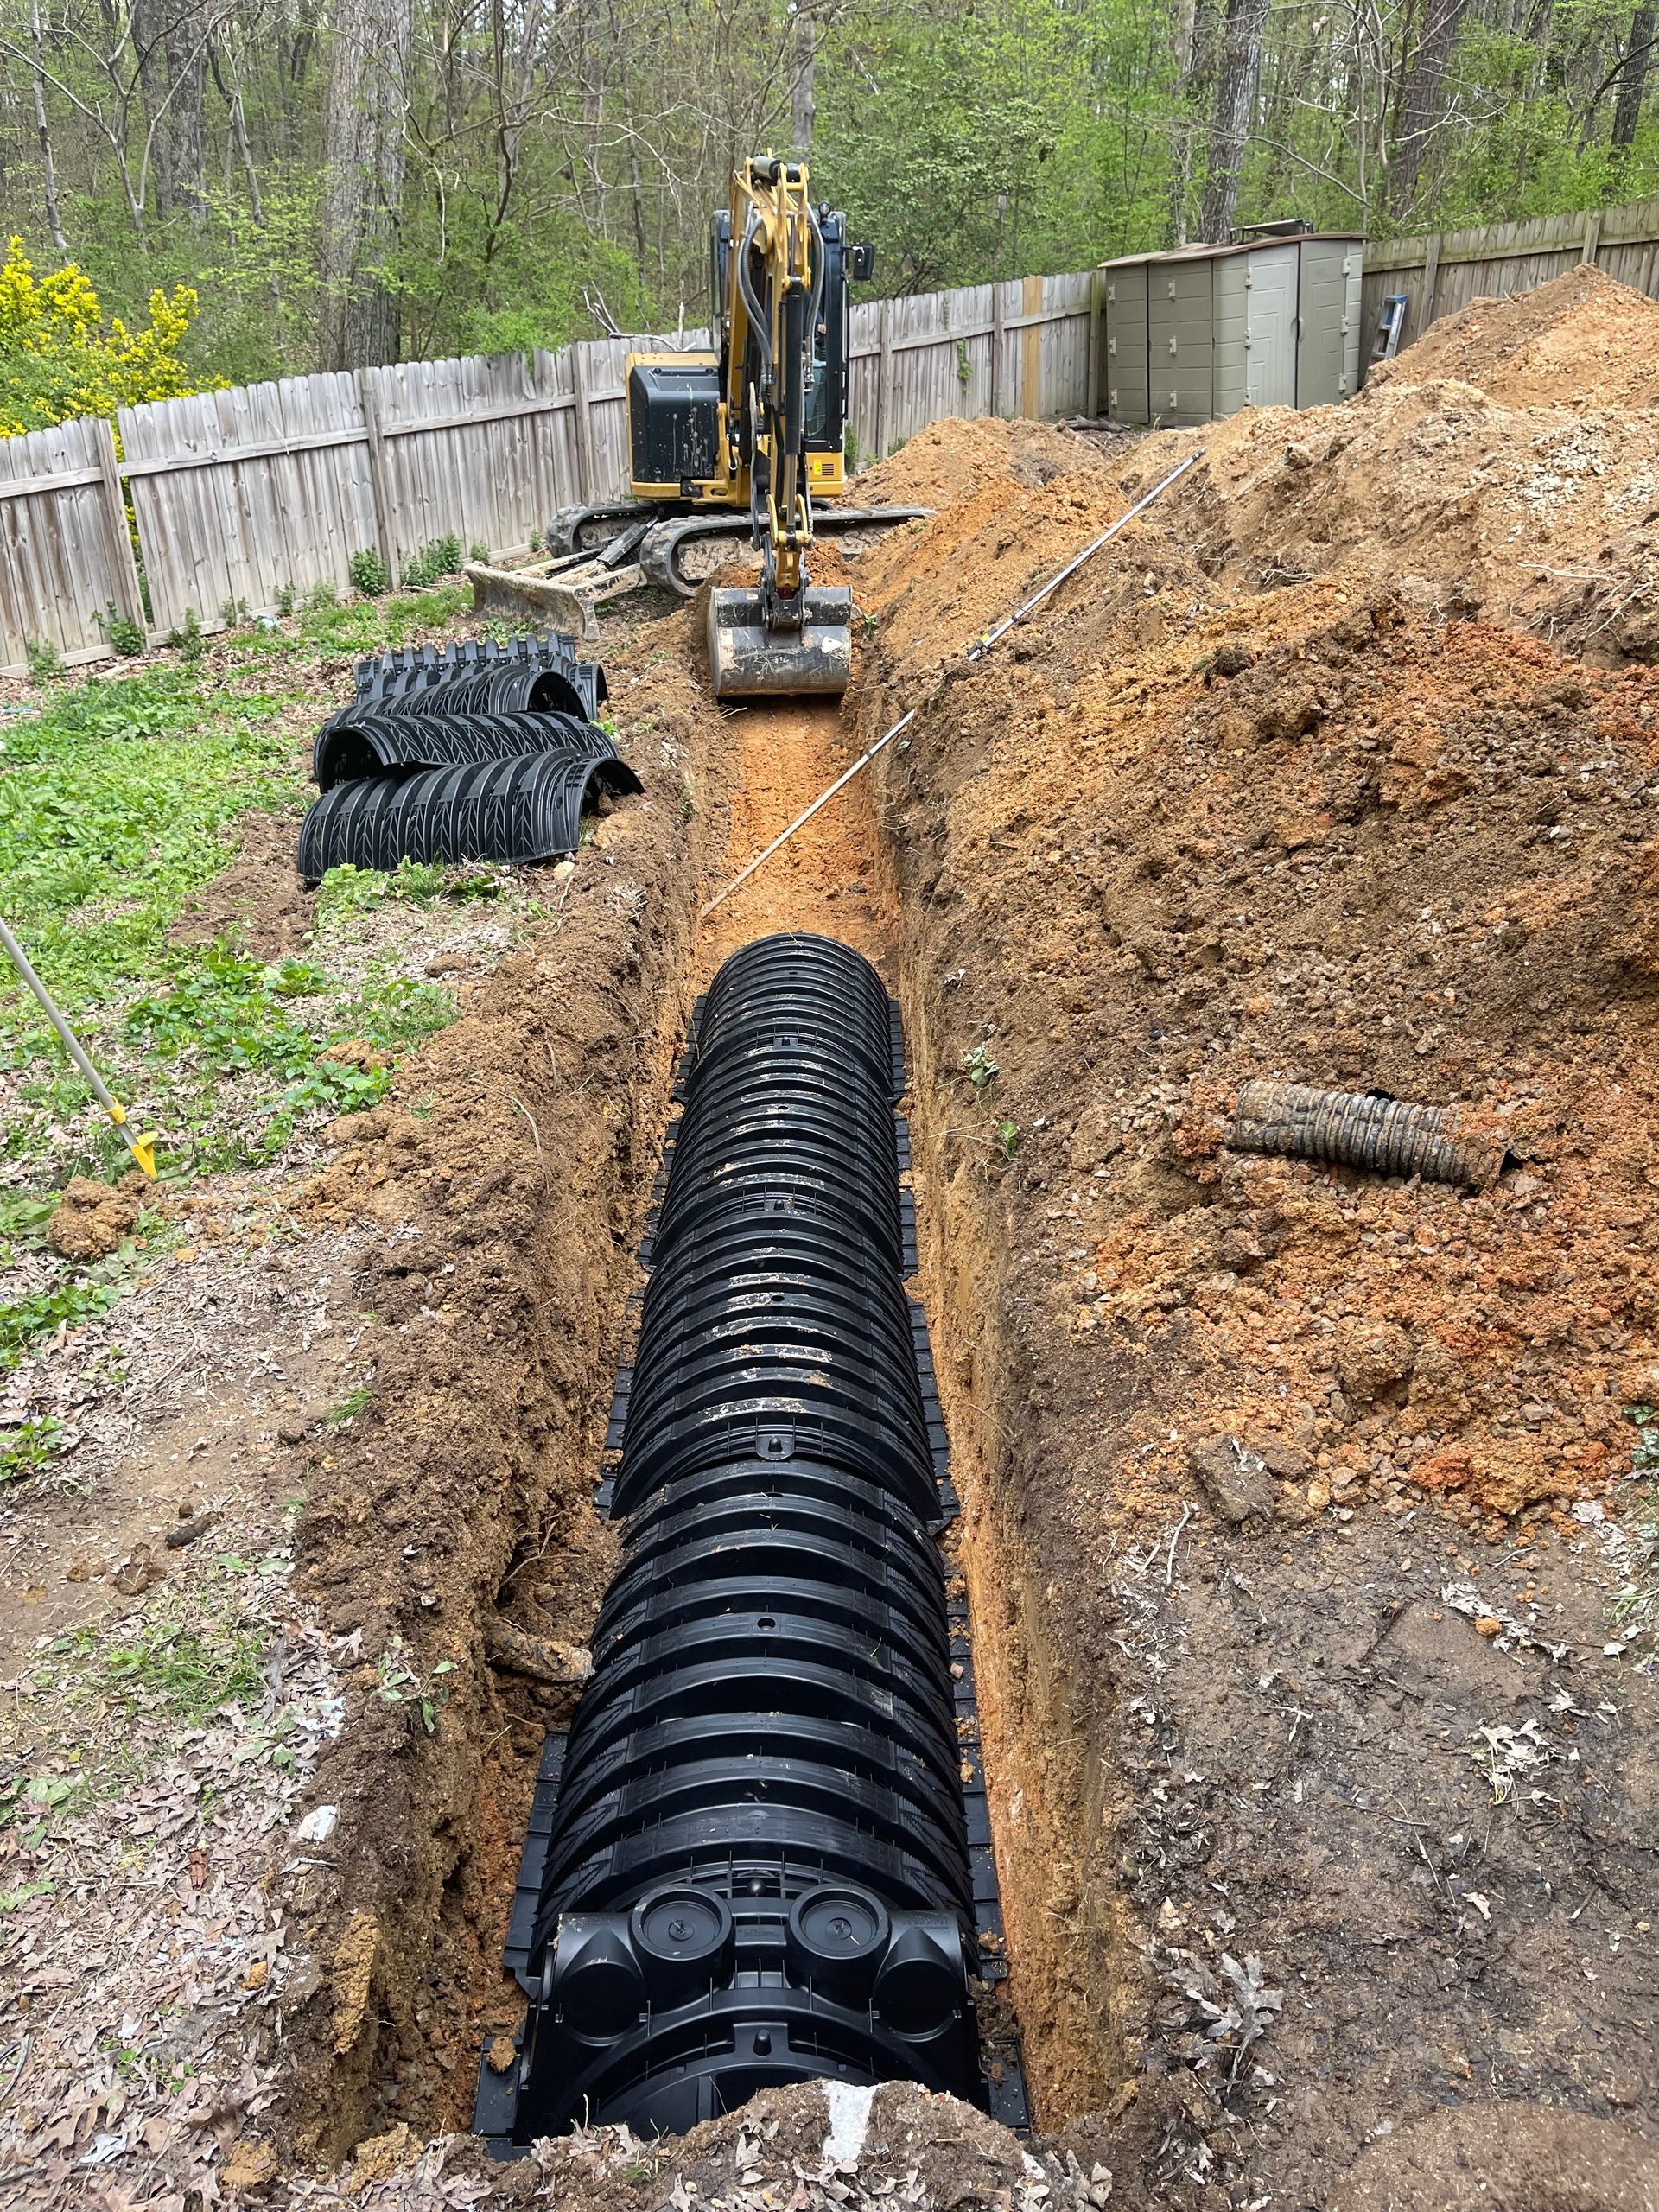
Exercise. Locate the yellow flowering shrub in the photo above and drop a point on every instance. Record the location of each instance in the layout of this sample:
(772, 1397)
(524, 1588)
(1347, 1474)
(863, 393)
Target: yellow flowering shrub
(59, 358)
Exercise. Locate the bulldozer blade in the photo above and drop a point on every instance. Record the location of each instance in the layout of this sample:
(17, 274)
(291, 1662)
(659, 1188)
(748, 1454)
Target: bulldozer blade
(566, 600)
(746, 660)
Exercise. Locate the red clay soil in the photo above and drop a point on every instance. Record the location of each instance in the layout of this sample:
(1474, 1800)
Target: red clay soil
(1296, 1499)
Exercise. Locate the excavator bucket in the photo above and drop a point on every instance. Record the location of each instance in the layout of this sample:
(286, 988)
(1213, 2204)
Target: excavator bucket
(746, 660)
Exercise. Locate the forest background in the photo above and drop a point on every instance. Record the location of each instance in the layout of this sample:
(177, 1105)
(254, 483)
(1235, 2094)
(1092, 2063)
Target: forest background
(347, 182)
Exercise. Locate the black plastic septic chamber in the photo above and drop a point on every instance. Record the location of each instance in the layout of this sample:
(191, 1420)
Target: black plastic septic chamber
(756, 1868)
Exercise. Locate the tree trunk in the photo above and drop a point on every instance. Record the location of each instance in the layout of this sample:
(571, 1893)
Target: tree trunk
(182, 122)
(1229, 127)
(363, 157)
(1633, 78)
(803, 103)
(149, 46)
(48, 168)
(1195, 69)
(231, 96)
(1424, 104)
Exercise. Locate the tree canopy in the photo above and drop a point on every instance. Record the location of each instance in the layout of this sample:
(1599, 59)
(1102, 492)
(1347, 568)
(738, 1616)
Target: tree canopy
(346, 180)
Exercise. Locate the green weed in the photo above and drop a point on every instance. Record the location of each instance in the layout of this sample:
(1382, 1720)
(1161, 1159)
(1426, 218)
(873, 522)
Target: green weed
(44, 659)
(231, 1016)
(399, 1684)
(367, 625)
(32, 1805)
(24, 1893)
(30, 1448)
(348, 890)
(23, 1223)
(125, 635)
(433, 562)
(183, 1669)
(188, 640)
(980, 1068)
(367, 570)
(348, 1408)
(63, 1307)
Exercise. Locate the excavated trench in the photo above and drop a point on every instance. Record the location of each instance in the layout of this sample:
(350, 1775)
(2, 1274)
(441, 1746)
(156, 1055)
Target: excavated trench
(417, 1903)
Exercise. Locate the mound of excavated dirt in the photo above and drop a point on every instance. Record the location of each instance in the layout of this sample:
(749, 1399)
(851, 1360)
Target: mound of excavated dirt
(1537, 517)
(1371, 852)
(949, 462)
(1292, 1498)
(1507, 465)
(1584, 340)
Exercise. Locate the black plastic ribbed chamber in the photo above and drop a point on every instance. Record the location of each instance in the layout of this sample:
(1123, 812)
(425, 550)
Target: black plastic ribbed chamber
(481, 752)
(757, 1867)
(542, 674)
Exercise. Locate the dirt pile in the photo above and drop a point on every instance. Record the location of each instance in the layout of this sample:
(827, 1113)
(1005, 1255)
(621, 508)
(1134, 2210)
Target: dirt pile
(946, 464)
(1291, 1496)
(1319, 836)
(1584, 340)
(1530, 500)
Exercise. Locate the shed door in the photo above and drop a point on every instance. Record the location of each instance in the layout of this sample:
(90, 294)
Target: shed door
(1181, 341)
(1126, 345)
(1270, 283)
(1327, 352)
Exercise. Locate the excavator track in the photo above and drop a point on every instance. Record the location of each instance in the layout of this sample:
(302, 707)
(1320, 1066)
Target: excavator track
(665, 543)
(668, 532)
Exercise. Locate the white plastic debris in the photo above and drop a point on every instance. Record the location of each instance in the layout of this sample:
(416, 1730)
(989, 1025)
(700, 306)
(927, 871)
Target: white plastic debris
(849, 2108)
(318, 1824)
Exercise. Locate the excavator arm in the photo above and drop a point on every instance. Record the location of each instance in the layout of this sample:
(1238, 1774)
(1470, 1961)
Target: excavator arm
(788, 636)
(742, 440)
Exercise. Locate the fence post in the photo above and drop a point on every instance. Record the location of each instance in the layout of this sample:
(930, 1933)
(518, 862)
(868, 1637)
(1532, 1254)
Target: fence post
(1032, 301)
(126, 569)
(884, 383)
(996, 346)
(587, 467)
(1592, 234)
(379, 486)
(1431, 281)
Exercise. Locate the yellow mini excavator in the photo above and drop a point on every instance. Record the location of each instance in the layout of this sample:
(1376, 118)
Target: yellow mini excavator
(744, 441)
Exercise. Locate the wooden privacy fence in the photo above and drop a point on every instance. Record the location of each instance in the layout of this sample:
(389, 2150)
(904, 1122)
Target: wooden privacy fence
(240, 498)
(1439, 275)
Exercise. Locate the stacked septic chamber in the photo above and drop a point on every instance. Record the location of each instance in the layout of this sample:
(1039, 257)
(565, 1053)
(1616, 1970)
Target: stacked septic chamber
(478, 753)
(758, 1867)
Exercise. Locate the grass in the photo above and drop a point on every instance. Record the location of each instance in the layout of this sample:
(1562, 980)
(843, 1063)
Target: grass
(165, 1665)
(115, 801)
(112, 803)
(348, 1408)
